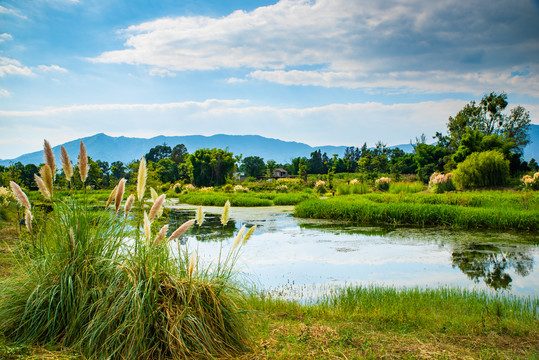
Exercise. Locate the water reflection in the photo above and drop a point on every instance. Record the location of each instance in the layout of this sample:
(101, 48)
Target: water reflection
(492, 263)
(300, 254)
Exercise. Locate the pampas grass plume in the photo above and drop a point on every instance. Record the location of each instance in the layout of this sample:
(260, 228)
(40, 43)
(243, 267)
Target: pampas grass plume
(161, 235)
(181, 230)
(46, 176)
(66, 164)
(28, 220)
(141, 179)
(191, 265)
(83, 162)
(49, 158)
(42, 187)
(111, 197)
(119, 195)
(153, 194)
(156, 207)
(129, 204)
(21, 197)
(200, 216)
(226, 213)
(238, 237)
(248, 234)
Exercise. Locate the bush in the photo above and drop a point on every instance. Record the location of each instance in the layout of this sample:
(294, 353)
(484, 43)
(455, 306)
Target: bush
(440, 183)
(382, 184)
(482, 169)
(530, 182)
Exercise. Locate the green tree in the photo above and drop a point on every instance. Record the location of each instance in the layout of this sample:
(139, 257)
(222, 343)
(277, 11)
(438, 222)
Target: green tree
(209, 167)
(270, 166)
(482, 169)
(179, 154)
(158, 152)
(253, 166)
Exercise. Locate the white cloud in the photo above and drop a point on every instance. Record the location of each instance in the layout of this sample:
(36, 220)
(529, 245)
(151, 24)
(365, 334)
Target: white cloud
(5, 36)
(354, 44)
(13, 67)
(4, 93)
(161, 72)
(52, 68)
(349, 124)
(12, 12)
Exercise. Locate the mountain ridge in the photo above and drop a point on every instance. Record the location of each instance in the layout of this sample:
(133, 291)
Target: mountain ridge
(126, 149)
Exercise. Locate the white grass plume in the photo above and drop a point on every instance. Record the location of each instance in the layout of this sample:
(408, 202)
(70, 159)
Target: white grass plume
(66, 164)
(226, 213)
(49, 158)
(20, 196)
(83, 162)
(141, 179)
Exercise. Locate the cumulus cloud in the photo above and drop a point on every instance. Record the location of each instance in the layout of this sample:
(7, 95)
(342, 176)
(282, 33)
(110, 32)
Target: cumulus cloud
(4, 93)
(5, 36)
(10, 66)
(391, 43)
(52, 68)
(11, 12)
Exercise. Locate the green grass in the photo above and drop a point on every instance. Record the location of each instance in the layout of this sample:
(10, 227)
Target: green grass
(386, 322)
(446, 210)
(243, 200)
(406, 187)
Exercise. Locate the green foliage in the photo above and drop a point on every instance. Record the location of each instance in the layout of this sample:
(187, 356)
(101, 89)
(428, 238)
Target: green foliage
(476, 211)
(210, 167)
(484, 169)
(158, 152)
(406, 187)
(253, 166)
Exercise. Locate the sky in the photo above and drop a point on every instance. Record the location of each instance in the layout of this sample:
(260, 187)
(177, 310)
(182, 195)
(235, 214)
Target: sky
(321, 72)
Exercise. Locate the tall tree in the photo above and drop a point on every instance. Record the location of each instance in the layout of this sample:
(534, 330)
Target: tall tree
(253, 166)
(158, 152)
(179, 154)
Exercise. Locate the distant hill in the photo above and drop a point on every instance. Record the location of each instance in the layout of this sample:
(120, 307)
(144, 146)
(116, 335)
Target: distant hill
(126, 149)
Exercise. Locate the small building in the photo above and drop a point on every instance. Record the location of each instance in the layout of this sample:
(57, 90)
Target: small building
(280, 173)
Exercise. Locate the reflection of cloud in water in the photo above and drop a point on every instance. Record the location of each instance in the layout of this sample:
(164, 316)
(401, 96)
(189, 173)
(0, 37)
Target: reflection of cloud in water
(285, 252)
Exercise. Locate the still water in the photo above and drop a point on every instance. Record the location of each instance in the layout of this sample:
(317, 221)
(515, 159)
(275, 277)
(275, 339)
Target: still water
(303, 258)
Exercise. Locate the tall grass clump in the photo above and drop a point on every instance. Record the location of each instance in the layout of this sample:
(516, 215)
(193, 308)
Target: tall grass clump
(440, 183)
(406, 187)
(482, 169)
(115, 288)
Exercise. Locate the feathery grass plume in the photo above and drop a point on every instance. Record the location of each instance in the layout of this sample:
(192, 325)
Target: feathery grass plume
(161, 235)
(238, 237)
(147, 226)
(191, 265)
(83, 162)
(153, 194)
(28, 220)
(49, 158)
(248, 234)
(181, 230)
(156, 207)
(200, 216)
(66, 164)
(42, 187)
(129, 204)
(141, 179)
(226, 213)
(46, 176)
(111, 197)
(119, 195)
(21, 197)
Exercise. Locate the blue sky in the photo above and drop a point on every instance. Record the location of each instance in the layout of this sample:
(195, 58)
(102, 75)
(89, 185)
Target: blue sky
(326, 72)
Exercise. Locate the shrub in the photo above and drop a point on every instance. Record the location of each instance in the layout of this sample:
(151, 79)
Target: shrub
(440, 183)
(228, 188)
(240, 189)
(382, 183)
(320, 187)
(482, 169)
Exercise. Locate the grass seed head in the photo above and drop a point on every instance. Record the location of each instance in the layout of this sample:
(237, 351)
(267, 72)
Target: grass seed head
(239, 236)
(42, 187)
(200, 216)
(28, 220)
(129, 204)
(46, 176)
(111, 197)
(156, 207)
(226, 213)
(141, 179)
(21, 197)
(119, 195)
(161, 235)
(49, 158)
(181, 230)
(248, 234)
(83, 162)
(66, 164)
(153, 194)
(147, 226)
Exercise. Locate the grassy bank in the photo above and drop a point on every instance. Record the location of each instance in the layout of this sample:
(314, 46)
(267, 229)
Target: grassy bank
(243, 200)
(493, 210)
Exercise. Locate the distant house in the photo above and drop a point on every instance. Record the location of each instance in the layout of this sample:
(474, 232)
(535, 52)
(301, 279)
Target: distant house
(280, 173)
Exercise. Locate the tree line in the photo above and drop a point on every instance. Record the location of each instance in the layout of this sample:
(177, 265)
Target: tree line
(478, 127)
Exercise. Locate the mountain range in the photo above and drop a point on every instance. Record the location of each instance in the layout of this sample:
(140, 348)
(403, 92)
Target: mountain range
(126, 149)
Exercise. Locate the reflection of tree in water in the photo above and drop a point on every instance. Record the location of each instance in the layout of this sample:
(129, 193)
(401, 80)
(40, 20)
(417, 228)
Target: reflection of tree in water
(491, 263)
(211, 228)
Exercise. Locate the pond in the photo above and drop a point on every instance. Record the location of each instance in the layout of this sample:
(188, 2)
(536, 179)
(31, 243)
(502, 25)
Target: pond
(303, 258)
